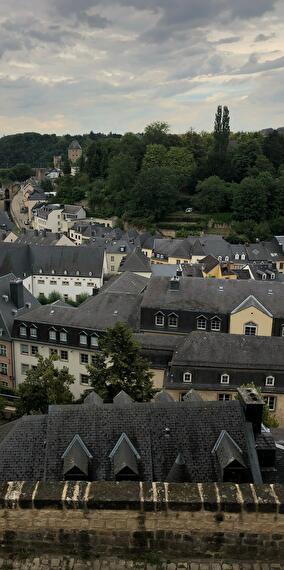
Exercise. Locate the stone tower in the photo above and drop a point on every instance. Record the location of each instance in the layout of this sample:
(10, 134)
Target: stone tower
(74, 151)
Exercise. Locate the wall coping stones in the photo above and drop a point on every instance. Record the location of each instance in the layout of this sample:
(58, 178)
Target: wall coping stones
(142, 496)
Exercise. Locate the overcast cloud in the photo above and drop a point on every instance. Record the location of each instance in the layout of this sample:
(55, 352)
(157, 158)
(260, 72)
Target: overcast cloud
(80, 65)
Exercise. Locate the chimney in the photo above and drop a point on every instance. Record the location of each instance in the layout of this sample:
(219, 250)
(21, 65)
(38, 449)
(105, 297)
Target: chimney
(17, 293)
(252, 404)
(174, 283)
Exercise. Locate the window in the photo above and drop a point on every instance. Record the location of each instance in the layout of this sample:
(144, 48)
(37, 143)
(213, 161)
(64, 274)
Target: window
(225, 379)
(94, 341)
(83, 339)
(215, 324)
(281, 265)
(52, 271)
(269, 381)
(77, 272)
(52, 334)
(84, 358)
(178, 261)
(227, 258)
(78, 283)
(112, 267)
(201, 324)
(84, 378)
(34, 350)
(187, 377)
(24, 368)
(63, 354)
(243, 256)
(65, 297)
(3, 350)
(90, 284)
(250, 329)
(65, 272)
(93, 360)
(53, 351)
(53, 282)
(173, 321)
(33, 332)
(24, 349)
(3, 368)
(224, 397)
(63, 336)
(23, 330)
(237, 257)
(271, 402)
(112, 257)
(65, 282)
(160, 320)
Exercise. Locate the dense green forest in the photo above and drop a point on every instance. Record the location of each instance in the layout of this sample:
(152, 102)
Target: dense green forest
(143, 178)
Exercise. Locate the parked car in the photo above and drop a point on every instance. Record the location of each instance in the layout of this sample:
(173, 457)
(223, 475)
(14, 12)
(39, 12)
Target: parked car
(188, 210)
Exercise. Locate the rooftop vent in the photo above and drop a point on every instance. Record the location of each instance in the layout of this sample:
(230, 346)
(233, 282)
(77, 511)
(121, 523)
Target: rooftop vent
(174, 283)
(221, 288)
(270, 292)
(5, 298)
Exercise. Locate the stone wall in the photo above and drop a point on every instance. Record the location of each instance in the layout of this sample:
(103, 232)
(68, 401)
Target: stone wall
(187, 520)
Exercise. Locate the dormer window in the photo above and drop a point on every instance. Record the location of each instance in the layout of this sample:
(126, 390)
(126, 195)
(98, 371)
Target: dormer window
(76, 460)
(220, 258)
(250, 329)
(63, 336)
(201, 323)
(282, 330)
(90, 274)
(173, 321)
(23, 330)
(125, 457)
(40, 271)
(215, 324)
(160, 320)
(52, 272)
(237, 257)
(33, 332)
(225, 378)
(65, 272)
(243, 257)
(83, 339)
(187, 377)
(94, 341)
(77, 272)
(269, 381)
(227, 258)
(52, 334)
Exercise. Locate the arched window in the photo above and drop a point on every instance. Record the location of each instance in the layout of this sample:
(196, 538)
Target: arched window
(215, 324)
(269, 381)
(201, 323)
(225, 378)
(187, 377)
(250, 329)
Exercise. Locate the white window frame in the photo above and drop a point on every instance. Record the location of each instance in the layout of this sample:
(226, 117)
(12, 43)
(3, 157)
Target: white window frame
(85, 337)
(94, 341)
(3, 350)
(26, 366)
(224, 397)
(269, 381)
(162, 323)
(271, 399)
(4, 366)
(173, 326)
(23, 330)
(64, 359)
(214, 321)
(243, 257)
(84, 358)
(187, 377)
(225, 378)
(65, 336)
(33, 329)
(54, 333)
(24, 352)
(199, 328)
(250, 325)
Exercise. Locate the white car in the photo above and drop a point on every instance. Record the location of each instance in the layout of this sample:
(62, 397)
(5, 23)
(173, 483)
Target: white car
(188, 210)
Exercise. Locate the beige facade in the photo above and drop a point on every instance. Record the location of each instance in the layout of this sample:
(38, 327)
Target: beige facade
(239, 320)
(6, 364)
(74, 154)
(114, 260)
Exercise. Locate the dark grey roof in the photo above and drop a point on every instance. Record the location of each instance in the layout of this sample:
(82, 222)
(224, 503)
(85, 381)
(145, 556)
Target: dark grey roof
(113, 304)
(75, 145)
(135, 262)
(75, 457)
(8, 310)
(72, 209)
(163, 397)
(209, 262)
(34, 237)
(178, 472)
(38, 195)
(256, 352)
(125, 457)
(93, 399)
(24, 260)
(122, 400)
(120, 246)
(33, 449)
(164, 269)
(212, 295)
(227, 451)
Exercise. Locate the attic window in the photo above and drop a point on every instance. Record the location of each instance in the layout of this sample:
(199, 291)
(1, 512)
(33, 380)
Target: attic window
(237, 257)
(52, 272)
(40, 270)
(65, 272)
(243, 256)
(227, 258)
(250, 329)
(63, 336)
(83, 338)
(52, 334)
(23, 330)
(269, 381)
(90, 274)
(77, 272)
(187, 377)
(33, 332)
(201, 323)
(225, 379)
(160, 320)
(173, 321)
(215, 324)
(125, 460)
(76, 460)
(94, 341)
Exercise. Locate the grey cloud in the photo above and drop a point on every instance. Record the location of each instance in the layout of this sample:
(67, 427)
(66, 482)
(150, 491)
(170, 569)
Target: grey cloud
(263, 37)
(254, 66)
(230, 40)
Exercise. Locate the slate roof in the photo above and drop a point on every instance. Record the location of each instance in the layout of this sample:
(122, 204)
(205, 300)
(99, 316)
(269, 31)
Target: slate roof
(135, 262)
(29, 237)
(114, 303)
(75, 145)
(115, 246)
(7, 306)
(209, 262)
(212, 295)
(247, 352)
(33, 449)
(37, 195)
(25, 260)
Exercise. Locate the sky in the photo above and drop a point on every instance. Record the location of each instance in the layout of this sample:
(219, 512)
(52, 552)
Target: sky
(115, 66)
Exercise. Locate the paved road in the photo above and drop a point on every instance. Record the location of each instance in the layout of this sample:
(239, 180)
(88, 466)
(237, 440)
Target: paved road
(16, 214)
(68, 563)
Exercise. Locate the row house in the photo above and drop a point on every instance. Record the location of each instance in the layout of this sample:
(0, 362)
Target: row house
(57, 218)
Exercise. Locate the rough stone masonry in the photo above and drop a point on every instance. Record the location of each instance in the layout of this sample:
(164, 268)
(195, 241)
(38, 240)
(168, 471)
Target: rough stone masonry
(213, 521)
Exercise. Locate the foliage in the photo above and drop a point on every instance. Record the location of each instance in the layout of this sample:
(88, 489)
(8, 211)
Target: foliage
(157, 133)
(154, 194)
(55, 296)
(268, 418)
(44, 385)
(119, 366)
